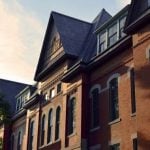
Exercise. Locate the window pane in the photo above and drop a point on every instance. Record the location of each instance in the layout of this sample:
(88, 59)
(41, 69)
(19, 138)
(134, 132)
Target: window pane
(112, 30)
(132, 82)
(58, 87)
(43, 130)
(52, 93)
(112, 39)
(134, 144)
(57, 123)
(71, 116)
(115, 147)
(95, 108)
(50, 125)
(121, 26)
(113, 99)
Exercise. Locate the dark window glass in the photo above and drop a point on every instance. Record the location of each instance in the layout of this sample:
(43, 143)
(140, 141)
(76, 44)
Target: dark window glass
(113, 99)
(57, 124)
(19, 141)
(30, 141)
(71, 116)
(12, 142)
(58, 87)
(102, 42)
(50, 126)
(95, 108)
(112, 35)
(115, 147)
(135, 144)
(133, 100)
(43, 130)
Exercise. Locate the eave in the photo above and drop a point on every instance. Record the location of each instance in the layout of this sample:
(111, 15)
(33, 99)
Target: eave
(32, 101)
(99, 59)
(53, 64)
(104, 57)
(19, 114)
(136, 24)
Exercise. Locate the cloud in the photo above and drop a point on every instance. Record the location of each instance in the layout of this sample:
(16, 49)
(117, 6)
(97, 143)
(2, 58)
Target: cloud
(20, 42)
(123, 3)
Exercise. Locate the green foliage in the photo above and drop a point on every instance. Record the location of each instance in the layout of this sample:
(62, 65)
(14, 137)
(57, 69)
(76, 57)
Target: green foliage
(4, 110)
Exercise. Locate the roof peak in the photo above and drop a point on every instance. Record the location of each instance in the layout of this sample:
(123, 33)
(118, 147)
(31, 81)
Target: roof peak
(74, 18)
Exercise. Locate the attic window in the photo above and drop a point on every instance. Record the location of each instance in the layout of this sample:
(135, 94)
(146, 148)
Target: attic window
(111, 34)
(56, 44)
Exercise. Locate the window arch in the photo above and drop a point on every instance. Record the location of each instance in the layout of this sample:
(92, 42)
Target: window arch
(71, 115)
(31, 130)
(57, 123)
(50, 126)
(94, 95)
(113, 99)
(19, 141)
(42, 130)
(12, 142)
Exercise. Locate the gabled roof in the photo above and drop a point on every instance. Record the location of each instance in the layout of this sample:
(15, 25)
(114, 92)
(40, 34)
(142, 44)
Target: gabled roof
(90, 48)
(10, 89)
(139, 14)
(72, 31)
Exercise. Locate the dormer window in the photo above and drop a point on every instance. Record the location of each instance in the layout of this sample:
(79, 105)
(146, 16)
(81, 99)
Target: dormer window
(111, 34)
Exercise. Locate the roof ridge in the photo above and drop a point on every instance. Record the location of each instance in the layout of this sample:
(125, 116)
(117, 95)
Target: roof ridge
(70, 17)
(6, 80)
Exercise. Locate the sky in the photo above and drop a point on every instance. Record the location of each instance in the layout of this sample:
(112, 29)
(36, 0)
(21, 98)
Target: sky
(23, 25)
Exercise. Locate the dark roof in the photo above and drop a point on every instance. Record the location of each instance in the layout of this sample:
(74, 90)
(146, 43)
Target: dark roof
(90, 48)
(139, 14)
(74, 34)
(10, 89)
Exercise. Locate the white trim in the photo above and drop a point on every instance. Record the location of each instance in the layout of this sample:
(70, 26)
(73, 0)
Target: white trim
(116, 75)
(95, 86)
(114, 141)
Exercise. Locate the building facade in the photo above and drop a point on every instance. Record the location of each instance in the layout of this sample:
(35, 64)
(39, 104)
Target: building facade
(92, 90)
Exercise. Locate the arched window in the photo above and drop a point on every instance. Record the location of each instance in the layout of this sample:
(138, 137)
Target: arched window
(31, 131)
(42, 130)
(95, 108)
(12, 142)
(57, 123)
(19, 141)
(50, 126)
(71, 115)
(113, 99)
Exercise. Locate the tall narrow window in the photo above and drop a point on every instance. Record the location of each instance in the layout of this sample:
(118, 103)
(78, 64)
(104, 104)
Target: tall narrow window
(19, 141)
(31, 131)
(112, 35)
(50, 126)
(102, 42)
(95, 108)
(59, 88)
(113, 99)
(71, 116)
(57, 124)
(43, 130)
(12, 142)
(115, 147)
(133, 100)
(121, 27)
(135, 144)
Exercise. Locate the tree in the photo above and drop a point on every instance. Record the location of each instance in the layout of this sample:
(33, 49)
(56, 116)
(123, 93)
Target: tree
(4, 110)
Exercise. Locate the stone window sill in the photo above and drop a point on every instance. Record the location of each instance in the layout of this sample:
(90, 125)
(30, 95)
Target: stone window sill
(115, 121)
(133, 114)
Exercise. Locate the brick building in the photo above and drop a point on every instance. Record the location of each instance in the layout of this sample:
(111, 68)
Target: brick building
(92, 88)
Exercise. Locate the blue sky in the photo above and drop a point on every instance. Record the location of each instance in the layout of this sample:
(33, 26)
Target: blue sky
(23, 25)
